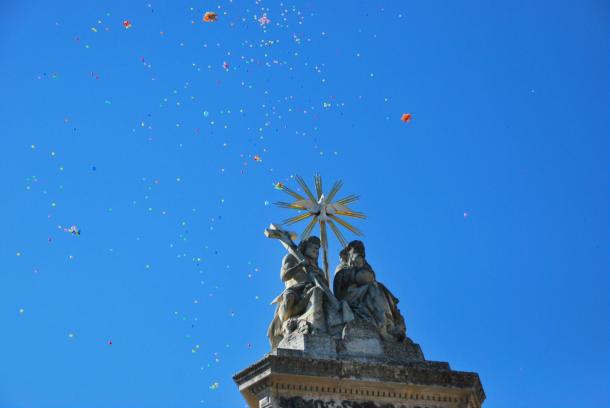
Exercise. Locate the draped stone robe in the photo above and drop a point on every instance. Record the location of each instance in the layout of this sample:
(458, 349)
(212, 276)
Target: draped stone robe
(310, 298)
(371, 302)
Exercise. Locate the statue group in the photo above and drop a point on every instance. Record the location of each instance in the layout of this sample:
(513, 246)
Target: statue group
(342, 342)
(308, 306)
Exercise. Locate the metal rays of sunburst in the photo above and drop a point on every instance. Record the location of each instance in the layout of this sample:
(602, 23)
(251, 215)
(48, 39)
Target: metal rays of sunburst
(322, 211)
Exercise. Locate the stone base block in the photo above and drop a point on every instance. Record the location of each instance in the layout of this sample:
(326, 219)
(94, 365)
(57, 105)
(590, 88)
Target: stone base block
(359, 341)
(322, 346)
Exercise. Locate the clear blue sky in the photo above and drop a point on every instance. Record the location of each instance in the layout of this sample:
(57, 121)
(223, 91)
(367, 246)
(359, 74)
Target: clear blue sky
(487, 213)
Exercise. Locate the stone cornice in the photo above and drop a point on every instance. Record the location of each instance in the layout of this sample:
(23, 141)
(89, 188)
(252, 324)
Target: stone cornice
(426, 373)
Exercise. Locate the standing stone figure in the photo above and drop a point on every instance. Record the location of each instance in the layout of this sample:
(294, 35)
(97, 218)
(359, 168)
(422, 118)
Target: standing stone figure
(356, 283)
(300, 305)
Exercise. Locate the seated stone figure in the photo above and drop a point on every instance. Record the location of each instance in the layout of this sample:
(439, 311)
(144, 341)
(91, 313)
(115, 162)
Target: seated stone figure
(356, 283)
(300, 305)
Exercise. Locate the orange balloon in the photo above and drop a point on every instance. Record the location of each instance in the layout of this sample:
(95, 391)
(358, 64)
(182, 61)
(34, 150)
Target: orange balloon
(209, 17)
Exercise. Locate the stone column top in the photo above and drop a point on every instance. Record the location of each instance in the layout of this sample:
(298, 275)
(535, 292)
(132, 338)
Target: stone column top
(422, 373)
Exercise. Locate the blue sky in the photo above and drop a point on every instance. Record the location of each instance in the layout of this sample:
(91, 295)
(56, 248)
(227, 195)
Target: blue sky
(487, 212)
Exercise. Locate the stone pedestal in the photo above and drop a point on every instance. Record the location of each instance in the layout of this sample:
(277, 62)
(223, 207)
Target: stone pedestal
(357, 371)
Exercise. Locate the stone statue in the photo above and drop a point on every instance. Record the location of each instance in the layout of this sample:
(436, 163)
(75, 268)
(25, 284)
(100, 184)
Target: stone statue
(307, 304)
(300, 305)
(355, 282)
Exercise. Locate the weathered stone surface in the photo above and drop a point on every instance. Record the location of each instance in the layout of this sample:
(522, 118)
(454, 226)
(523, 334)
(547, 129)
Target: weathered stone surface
(360, 341)
(361, 338)
(298, 402)
(283, 376)
(370, 301)
(321, 345)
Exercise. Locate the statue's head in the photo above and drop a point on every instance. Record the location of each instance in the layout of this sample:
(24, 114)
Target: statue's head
(310, 247)
(353, 254)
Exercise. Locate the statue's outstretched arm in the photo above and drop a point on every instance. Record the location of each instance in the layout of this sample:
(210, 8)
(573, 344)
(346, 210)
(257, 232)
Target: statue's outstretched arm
(290, 269)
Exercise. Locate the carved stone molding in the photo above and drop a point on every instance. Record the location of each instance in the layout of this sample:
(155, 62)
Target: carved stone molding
(298, 402)
(299, 381)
